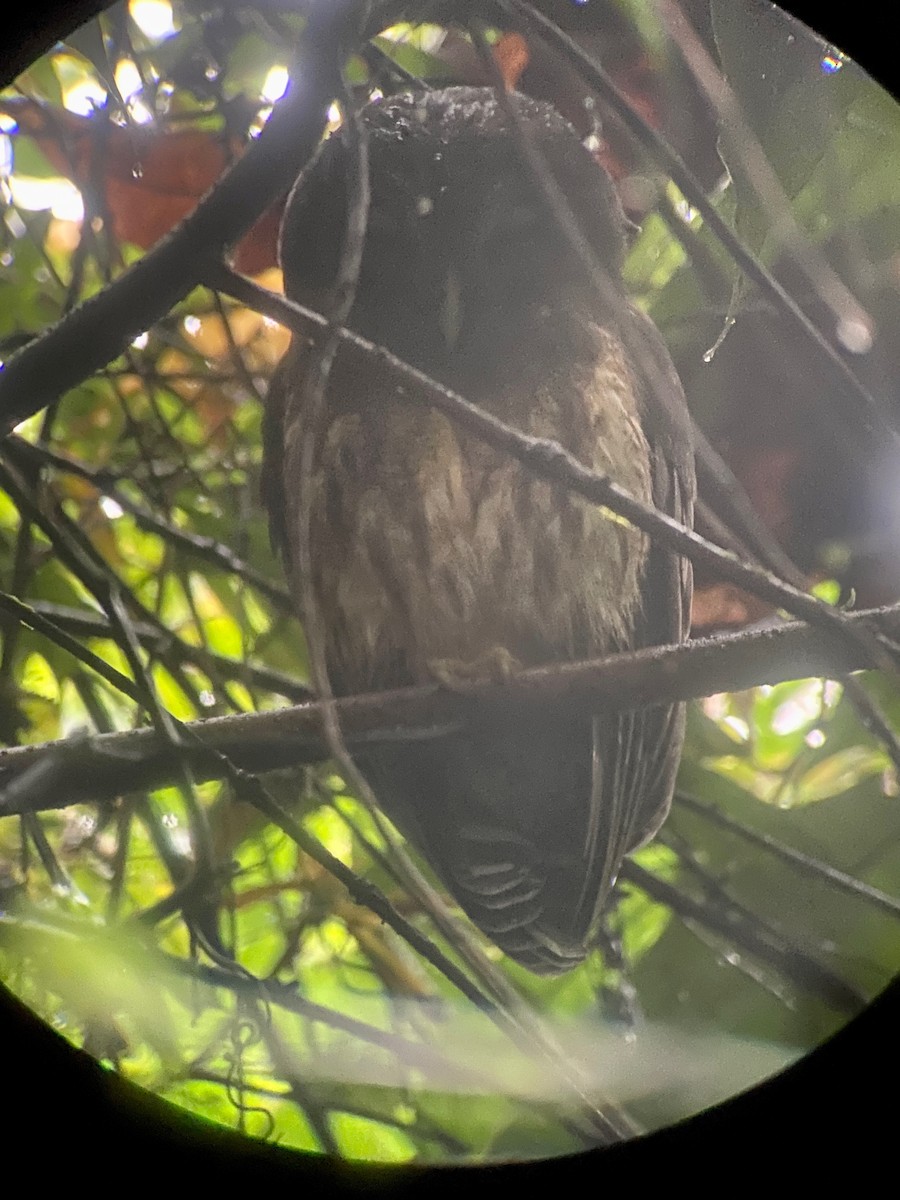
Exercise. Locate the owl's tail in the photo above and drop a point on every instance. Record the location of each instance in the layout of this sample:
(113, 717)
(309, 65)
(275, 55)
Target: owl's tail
(516, 822)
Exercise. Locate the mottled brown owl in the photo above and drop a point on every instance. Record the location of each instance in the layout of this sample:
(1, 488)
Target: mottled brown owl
(432, 551)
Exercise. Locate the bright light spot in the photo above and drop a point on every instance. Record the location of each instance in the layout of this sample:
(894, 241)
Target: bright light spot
(855, 335)
(687, 213)
(207, 699)
(68, 204)
(832, 63)
(140, 342)
(192, 325)
(153, 18)
(63, 237)
(111, 508)
(334, 118)
(832, 692)
(170, 820)
(715, 707)
(61, 196)
(275, 84)
(140, 113)
(738, 726)
(85, 824)
(815, 738)
(804, 706)
(85, 97)
(128, 78)
(425, 37)
(30, 428)
(130, 84)
(6, 156)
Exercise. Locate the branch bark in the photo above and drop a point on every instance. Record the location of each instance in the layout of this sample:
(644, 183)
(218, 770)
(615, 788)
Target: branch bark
(96, 332)
(551, 461)
(56, 774)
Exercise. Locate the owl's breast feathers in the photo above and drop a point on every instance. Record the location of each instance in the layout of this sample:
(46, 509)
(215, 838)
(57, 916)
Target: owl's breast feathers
(430, 546)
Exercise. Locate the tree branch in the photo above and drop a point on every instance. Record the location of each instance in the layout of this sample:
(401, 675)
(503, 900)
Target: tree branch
(549, 460)
(102, 767)
(96, 332)
(199, 546)
(736, 926)
(858, 406)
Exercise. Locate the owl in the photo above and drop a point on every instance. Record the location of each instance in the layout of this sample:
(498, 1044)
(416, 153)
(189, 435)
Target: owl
(434, 554)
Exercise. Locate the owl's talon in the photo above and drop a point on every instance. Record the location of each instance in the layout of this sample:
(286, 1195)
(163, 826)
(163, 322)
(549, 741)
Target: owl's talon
(496, 664)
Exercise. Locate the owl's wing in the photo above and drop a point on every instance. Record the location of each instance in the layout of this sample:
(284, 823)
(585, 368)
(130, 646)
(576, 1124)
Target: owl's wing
(636, 754)
(528, 817)
(498, 812)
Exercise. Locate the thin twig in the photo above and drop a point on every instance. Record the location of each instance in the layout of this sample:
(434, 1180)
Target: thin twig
(740, 139)
(736, 926)
(207, 549)
(857, 402)
(809, 865)
(55, 621)
(551, 461)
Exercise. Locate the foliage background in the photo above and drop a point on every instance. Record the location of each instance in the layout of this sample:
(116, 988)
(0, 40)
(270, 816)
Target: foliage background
(148, 474)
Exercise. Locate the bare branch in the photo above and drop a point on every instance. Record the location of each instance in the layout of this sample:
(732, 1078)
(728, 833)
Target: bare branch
(733, 924)
(551, 461)
(105, 766)
(859, 404)
(96, 332)
(806, 863)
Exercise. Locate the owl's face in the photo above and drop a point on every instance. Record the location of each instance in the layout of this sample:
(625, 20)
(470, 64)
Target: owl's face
(464, 262)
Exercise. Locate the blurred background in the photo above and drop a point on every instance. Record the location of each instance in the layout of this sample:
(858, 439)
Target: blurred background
(763, 917)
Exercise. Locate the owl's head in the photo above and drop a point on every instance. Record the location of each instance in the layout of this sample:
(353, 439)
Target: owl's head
(462, 251)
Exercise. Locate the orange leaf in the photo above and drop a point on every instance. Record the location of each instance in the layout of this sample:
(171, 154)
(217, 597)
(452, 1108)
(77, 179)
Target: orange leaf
(512, 57)
(151, 180)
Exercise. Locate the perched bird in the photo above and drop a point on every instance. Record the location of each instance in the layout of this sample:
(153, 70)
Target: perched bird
(434, 554)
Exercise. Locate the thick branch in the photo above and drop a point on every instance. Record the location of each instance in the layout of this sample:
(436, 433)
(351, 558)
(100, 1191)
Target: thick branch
(96, 332)
(56, 774)
(27, 36)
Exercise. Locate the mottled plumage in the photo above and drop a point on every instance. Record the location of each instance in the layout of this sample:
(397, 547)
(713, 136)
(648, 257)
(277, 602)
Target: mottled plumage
(429, 547)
